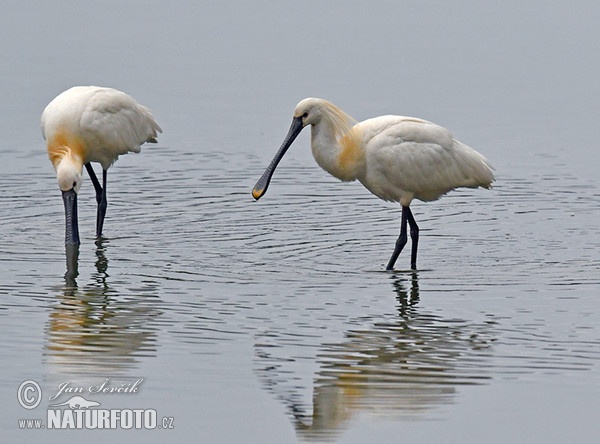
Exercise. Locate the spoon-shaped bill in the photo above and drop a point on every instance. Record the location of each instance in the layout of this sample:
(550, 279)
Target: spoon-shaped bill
(71, 226)
(263, 183)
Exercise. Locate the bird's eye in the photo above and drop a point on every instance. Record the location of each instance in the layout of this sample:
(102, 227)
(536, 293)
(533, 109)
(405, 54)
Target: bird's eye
(305, 115)
(74, 184)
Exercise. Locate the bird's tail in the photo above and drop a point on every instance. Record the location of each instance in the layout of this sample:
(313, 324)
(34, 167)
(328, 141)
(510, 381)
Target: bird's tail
(475, 166)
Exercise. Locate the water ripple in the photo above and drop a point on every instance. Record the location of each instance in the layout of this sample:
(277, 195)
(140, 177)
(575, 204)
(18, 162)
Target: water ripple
(190, 263)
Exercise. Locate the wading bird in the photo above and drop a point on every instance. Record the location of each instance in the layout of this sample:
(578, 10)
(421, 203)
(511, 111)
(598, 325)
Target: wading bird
(87, 124)
(396, 158)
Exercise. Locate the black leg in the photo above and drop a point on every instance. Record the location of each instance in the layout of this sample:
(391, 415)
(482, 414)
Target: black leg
(102, 204)
(414, 236)
(97, 187)
(100, 197)
(402, 239)
(407, 218)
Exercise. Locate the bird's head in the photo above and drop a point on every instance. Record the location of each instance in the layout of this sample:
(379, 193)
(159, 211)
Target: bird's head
(310, 111)
(68, 174)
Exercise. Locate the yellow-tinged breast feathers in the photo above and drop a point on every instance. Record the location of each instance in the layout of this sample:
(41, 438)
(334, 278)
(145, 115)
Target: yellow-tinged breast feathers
(351, 158)
(63, 144)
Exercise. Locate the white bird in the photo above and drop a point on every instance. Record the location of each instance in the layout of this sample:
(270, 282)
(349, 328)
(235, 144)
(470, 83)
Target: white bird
(396, 158)
(87, 124)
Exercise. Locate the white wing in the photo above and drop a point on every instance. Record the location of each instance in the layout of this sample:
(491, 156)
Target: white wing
(109, 122)
(116, 124)
(413, 158)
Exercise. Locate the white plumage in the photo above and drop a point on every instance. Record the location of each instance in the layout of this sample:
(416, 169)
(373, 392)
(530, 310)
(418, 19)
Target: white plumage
(411, 158)
(396, 158)
(92, 124)
(108, 122)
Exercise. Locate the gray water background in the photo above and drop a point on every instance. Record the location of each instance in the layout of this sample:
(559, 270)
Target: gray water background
(274, 321)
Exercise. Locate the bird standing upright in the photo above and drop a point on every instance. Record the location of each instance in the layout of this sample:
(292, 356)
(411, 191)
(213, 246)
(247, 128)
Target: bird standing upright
(87, 124)
(396, 158)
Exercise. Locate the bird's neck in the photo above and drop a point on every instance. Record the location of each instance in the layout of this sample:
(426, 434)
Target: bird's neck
(64, 144)
(60, 153)
(343, 158)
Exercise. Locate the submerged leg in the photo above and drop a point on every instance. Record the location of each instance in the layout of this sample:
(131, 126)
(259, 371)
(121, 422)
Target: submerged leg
(401, 241)
(414, 236)
(100, 197)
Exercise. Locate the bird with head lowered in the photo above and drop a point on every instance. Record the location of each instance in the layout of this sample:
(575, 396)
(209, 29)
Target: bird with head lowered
(87, 124)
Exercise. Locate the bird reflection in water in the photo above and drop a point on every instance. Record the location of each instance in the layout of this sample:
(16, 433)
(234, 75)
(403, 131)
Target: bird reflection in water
(406, 299)
(72, 255)
(95, 329)
(401, 365)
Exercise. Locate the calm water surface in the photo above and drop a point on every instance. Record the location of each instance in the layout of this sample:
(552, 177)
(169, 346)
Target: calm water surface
(274, 321)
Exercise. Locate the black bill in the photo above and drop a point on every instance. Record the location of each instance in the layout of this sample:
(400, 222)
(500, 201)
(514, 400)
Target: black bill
(263, 183)
(71, 227)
